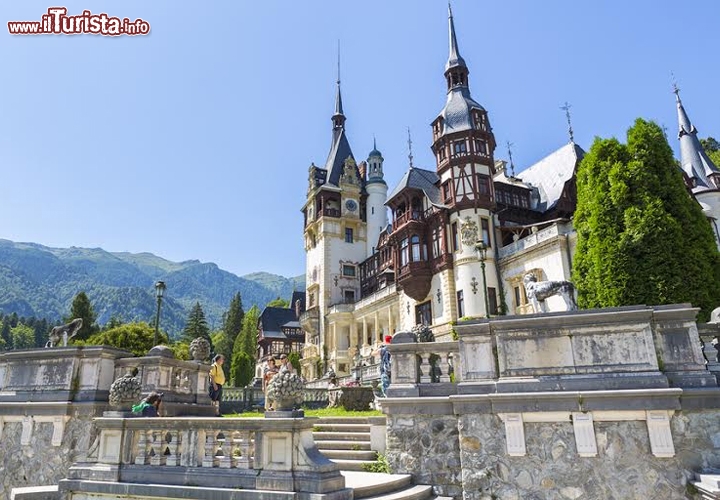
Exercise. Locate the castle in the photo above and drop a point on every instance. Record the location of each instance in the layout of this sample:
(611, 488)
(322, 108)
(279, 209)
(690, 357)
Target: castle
(461, 237)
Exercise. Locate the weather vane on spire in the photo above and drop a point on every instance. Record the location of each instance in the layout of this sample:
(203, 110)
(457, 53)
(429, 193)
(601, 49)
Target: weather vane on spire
(566, 108)
(410, 155)
(676, 89)
(512, 165)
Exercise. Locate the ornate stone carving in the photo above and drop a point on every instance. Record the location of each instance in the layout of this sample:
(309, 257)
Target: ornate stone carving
(469, 232)
(423, 333)
(285, 390)
(349, 175)
(125, 390)
(200, 349)
(538, 291)
(64, 332)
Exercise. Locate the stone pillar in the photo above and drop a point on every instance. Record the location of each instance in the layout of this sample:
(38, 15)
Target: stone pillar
(364, 331)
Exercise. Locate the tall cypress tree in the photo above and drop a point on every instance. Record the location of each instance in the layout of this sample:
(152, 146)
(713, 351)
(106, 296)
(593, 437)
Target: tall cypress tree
(196, 325)
(232, 326)
(642, 239)
(82, 308)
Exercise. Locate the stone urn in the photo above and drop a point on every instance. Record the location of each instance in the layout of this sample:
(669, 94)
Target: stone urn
(285, 390)
(126, 390)
(200, 349)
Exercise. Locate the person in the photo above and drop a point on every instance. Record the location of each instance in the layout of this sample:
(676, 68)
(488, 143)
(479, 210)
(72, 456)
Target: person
(150, 406)
(333, 395)
(269, 372)
(217, 379)
(285, 364)
(385, 364)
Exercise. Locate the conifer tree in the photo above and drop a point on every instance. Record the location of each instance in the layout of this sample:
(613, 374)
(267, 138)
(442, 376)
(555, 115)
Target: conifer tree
(196, 325)
(232, 326)
(82, 308)
(642, 239)
(245, 348)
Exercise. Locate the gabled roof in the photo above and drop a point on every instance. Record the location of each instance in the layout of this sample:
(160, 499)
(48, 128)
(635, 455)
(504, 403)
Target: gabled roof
(273, 319)
(423, 180)
(550, 174)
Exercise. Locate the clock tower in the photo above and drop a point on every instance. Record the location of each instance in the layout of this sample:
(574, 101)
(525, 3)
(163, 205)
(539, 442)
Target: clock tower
(336, 239)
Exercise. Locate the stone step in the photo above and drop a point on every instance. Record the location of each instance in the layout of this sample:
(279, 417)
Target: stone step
(371, 484)
(332, 427)
(709, 479)
(351, 465)
(349, 454)
(341, 436)
(417, 492)
(346, 420)
(342, 445)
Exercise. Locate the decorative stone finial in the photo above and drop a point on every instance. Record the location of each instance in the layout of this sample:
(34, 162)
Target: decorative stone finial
(423, 333)
(125, 390)
(200, 349)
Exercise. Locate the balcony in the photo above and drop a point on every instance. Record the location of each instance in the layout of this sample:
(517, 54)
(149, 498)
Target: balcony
(310, 319)
(415, 279)
(529, 241)
(341, 308)
(412, 216)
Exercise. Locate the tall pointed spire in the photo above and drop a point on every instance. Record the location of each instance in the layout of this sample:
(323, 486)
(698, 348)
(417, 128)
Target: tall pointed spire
(410, 155)
(695, 162)
(338, 118)
(454, 59)
(566, 108)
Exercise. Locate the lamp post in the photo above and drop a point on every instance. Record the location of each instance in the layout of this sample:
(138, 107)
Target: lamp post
(481, 249)
(159, 292)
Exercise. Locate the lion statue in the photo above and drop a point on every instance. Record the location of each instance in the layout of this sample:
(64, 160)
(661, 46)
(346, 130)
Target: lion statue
(64, 332)
(538, 291)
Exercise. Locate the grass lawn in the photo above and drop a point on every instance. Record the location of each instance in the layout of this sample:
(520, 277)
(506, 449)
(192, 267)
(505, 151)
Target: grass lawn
(323, 412)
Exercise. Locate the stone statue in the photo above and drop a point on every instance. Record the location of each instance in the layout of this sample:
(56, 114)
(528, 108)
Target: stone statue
(423, 333)
(715, 316)
(538, 291)
(64, 332)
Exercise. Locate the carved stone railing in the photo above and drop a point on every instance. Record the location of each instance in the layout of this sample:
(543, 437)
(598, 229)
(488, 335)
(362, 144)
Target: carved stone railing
(380, 294)
(529, 241)
(277, 454)
(415, 366)
(341, 308)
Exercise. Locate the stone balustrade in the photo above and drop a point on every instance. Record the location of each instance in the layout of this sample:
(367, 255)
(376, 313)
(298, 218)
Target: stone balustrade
(257, 455)
(422, 369)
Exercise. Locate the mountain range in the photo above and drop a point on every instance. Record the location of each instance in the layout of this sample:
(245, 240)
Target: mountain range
(40, 281)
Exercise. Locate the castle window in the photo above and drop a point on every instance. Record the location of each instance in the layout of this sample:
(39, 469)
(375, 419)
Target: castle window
(454, 237)
(447, 193)
(436, 242)
(311, 300)
(349, 296)
(423, 313)
(348, 270)
(460, 304)
(404, 252)
(485, 224)
(372, 210)
(483, 184)
(415, 244)
(480, 146)
(459, 147)
(348, 235)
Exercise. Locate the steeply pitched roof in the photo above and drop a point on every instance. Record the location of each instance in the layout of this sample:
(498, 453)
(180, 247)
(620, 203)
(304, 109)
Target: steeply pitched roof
(273, 319)
(418, 178)
(550, 174)
(695, 162)
(339, 152)
(456, 113)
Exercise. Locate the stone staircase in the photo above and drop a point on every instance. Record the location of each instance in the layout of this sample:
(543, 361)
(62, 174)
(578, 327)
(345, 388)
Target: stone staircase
(346, 441)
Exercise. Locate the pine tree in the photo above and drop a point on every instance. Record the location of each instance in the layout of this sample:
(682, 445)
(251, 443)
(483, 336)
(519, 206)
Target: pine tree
(642, 239)
(245, 345)
(82, 308)
(232, 326)
(196, 325)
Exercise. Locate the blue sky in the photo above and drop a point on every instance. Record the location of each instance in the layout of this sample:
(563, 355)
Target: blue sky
(193, 142)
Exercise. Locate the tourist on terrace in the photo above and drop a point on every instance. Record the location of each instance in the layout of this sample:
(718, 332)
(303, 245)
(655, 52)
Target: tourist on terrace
(150, 406)
(217, 379)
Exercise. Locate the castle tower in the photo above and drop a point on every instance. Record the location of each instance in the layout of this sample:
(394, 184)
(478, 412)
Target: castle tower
(335, 242)
(463, 144)
(703, 174)
(377, 191)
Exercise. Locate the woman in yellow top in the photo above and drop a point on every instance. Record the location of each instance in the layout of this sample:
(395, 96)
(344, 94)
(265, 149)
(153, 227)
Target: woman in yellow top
(217, 379)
